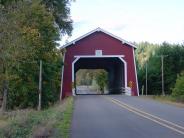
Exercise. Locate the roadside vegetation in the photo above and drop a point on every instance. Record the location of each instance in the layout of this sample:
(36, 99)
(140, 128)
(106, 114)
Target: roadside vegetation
(168, 99)
(173, 63)
(52, 122)
(30, 30)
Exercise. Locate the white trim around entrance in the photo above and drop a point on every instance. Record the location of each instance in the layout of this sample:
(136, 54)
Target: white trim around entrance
(77, 57)
(125, 70)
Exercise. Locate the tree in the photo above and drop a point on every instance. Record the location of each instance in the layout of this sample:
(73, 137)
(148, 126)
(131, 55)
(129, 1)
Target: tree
(58, 8)
(178, 90)
(29, 34)
(61, 11)
(101, 79)
(173, 64)
(12, 49)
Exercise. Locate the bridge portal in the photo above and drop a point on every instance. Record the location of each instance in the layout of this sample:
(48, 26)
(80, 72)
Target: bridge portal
(100, 49)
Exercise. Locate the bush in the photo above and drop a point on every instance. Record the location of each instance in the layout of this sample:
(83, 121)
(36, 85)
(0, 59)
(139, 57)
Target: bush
(178, 90)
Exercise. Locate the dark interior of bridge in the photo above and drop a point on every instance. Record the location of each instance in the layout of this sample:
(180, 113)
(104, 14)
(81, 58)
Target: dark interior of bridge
(112, 65)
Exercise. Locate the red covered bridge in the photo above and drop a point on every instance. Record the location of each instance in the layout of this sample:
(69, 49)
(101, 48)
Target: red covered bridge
(100, 49)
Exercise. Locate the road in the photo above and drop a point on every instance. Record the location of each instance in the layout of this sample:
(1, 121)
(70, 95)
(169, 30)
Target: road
(120, 116)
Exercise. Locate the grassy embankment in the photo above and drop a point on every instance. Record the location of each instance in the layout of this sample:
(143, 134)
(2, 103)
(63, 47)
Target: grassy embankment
(166, 99)
(52, 122)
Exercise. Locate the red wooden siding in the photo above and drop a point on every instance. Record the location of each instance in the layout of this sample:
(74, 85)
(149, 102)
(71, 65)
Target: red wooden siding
(87, 46)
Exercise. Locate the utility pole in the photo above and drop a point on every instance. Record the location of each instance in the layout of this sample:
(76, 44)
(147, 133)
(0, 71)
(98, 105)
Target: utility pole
(146, 78)
(5, 91)
(40, 87)
(162, 61)
(142, 89)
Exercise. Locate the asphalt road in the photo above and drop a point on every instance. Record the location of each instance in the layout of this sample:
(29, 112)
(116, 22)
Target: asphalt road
(120, 116)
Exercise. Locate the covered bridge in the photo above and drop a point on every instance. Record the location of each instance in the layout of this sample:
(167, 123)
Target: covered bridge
(100, 49)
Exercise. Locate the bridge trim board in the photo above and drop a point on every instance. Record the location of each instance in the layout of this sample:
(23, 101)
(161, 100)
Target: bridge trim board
(94, 56)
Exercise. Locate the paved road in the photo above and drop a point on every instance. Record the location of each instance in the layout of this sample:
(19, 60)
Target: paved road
(125, 117)
(85, 90)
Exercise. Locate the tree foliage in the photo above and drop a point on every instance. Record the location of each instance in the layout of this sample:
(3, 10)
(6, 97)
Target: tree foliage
(102, 80)
(173, 65)
(60, 10)
(29, 34)
(178, 90)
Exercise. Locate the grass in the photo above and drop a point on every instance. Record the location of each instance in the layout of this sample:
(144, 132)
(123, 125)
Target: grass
(165, 99)
(52, 122)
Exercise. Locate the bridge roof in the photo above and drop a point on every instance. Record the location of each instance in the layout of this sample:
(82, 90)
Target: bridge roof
(98, 30)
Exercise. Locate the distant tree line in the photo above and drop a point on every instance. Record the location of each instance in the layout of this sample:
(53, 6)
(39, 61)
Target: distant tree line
(173, 64)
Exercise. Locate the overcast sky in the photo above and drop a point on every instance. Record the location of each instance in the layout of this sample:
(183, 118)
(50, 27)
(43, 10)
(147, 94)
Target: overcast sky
(133, 20)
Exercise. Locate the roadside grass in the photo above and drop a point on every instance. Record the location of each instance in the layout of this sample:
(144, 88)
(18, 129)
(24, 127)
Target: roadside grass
(52, 122)
(165, 99)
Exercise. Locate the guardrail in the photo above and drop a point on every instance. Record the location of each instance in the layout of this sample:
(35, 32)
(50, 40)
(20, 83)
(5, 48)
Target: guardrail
(122, 90)
(119, 90)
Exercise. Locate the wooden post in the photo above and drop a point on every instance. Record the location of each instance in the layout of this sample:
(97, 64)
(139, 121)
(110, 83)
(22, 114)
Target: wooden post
(5, 90)
(146, 78)
(162, 60)
(142, 89)
(40, 87)
(5, 94)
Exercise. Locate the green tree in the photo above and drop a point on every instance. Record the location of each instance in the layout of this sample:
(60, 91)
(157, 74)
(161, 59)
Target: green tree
(173, 64)
(61, 12)
(178, 90)
(101, 79)
(58, 8)
(29, 34)
(12, 49)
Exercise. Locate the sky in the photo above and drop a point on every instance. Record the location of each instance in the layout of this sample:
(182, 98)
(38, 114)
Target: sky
(154, 21)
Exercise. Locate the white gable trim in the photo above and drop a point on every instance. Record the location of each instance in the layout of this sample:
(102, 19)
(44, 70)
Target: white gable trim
(94, 56)
(98, 30)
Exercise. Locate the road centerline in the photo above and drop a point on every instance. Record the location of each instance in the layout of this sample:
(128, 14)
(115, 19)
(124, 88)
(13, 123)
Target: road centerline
(153, 116)
(156, 119)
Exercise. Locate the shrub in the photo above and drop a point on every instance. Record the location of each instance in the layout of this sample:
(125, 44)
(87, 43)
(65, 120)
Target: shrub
(178, 90)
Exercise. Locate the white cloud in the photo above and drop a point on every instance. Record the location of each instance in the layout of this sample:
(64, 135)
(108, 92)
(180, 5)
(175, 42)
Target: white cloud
(133, 20)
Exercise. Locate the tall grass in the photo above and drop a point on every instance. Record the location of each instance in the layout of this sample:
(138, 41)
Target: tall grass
(52, 122)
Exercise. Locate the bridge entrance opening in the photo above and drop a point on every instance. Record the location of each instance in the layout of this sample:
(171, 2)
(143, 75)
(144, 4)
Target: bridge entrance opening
(111, 70)
(91, 81)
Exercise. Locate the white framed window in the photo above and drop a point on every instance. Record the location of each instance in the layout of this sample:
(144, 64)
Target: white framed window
(98, 52)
